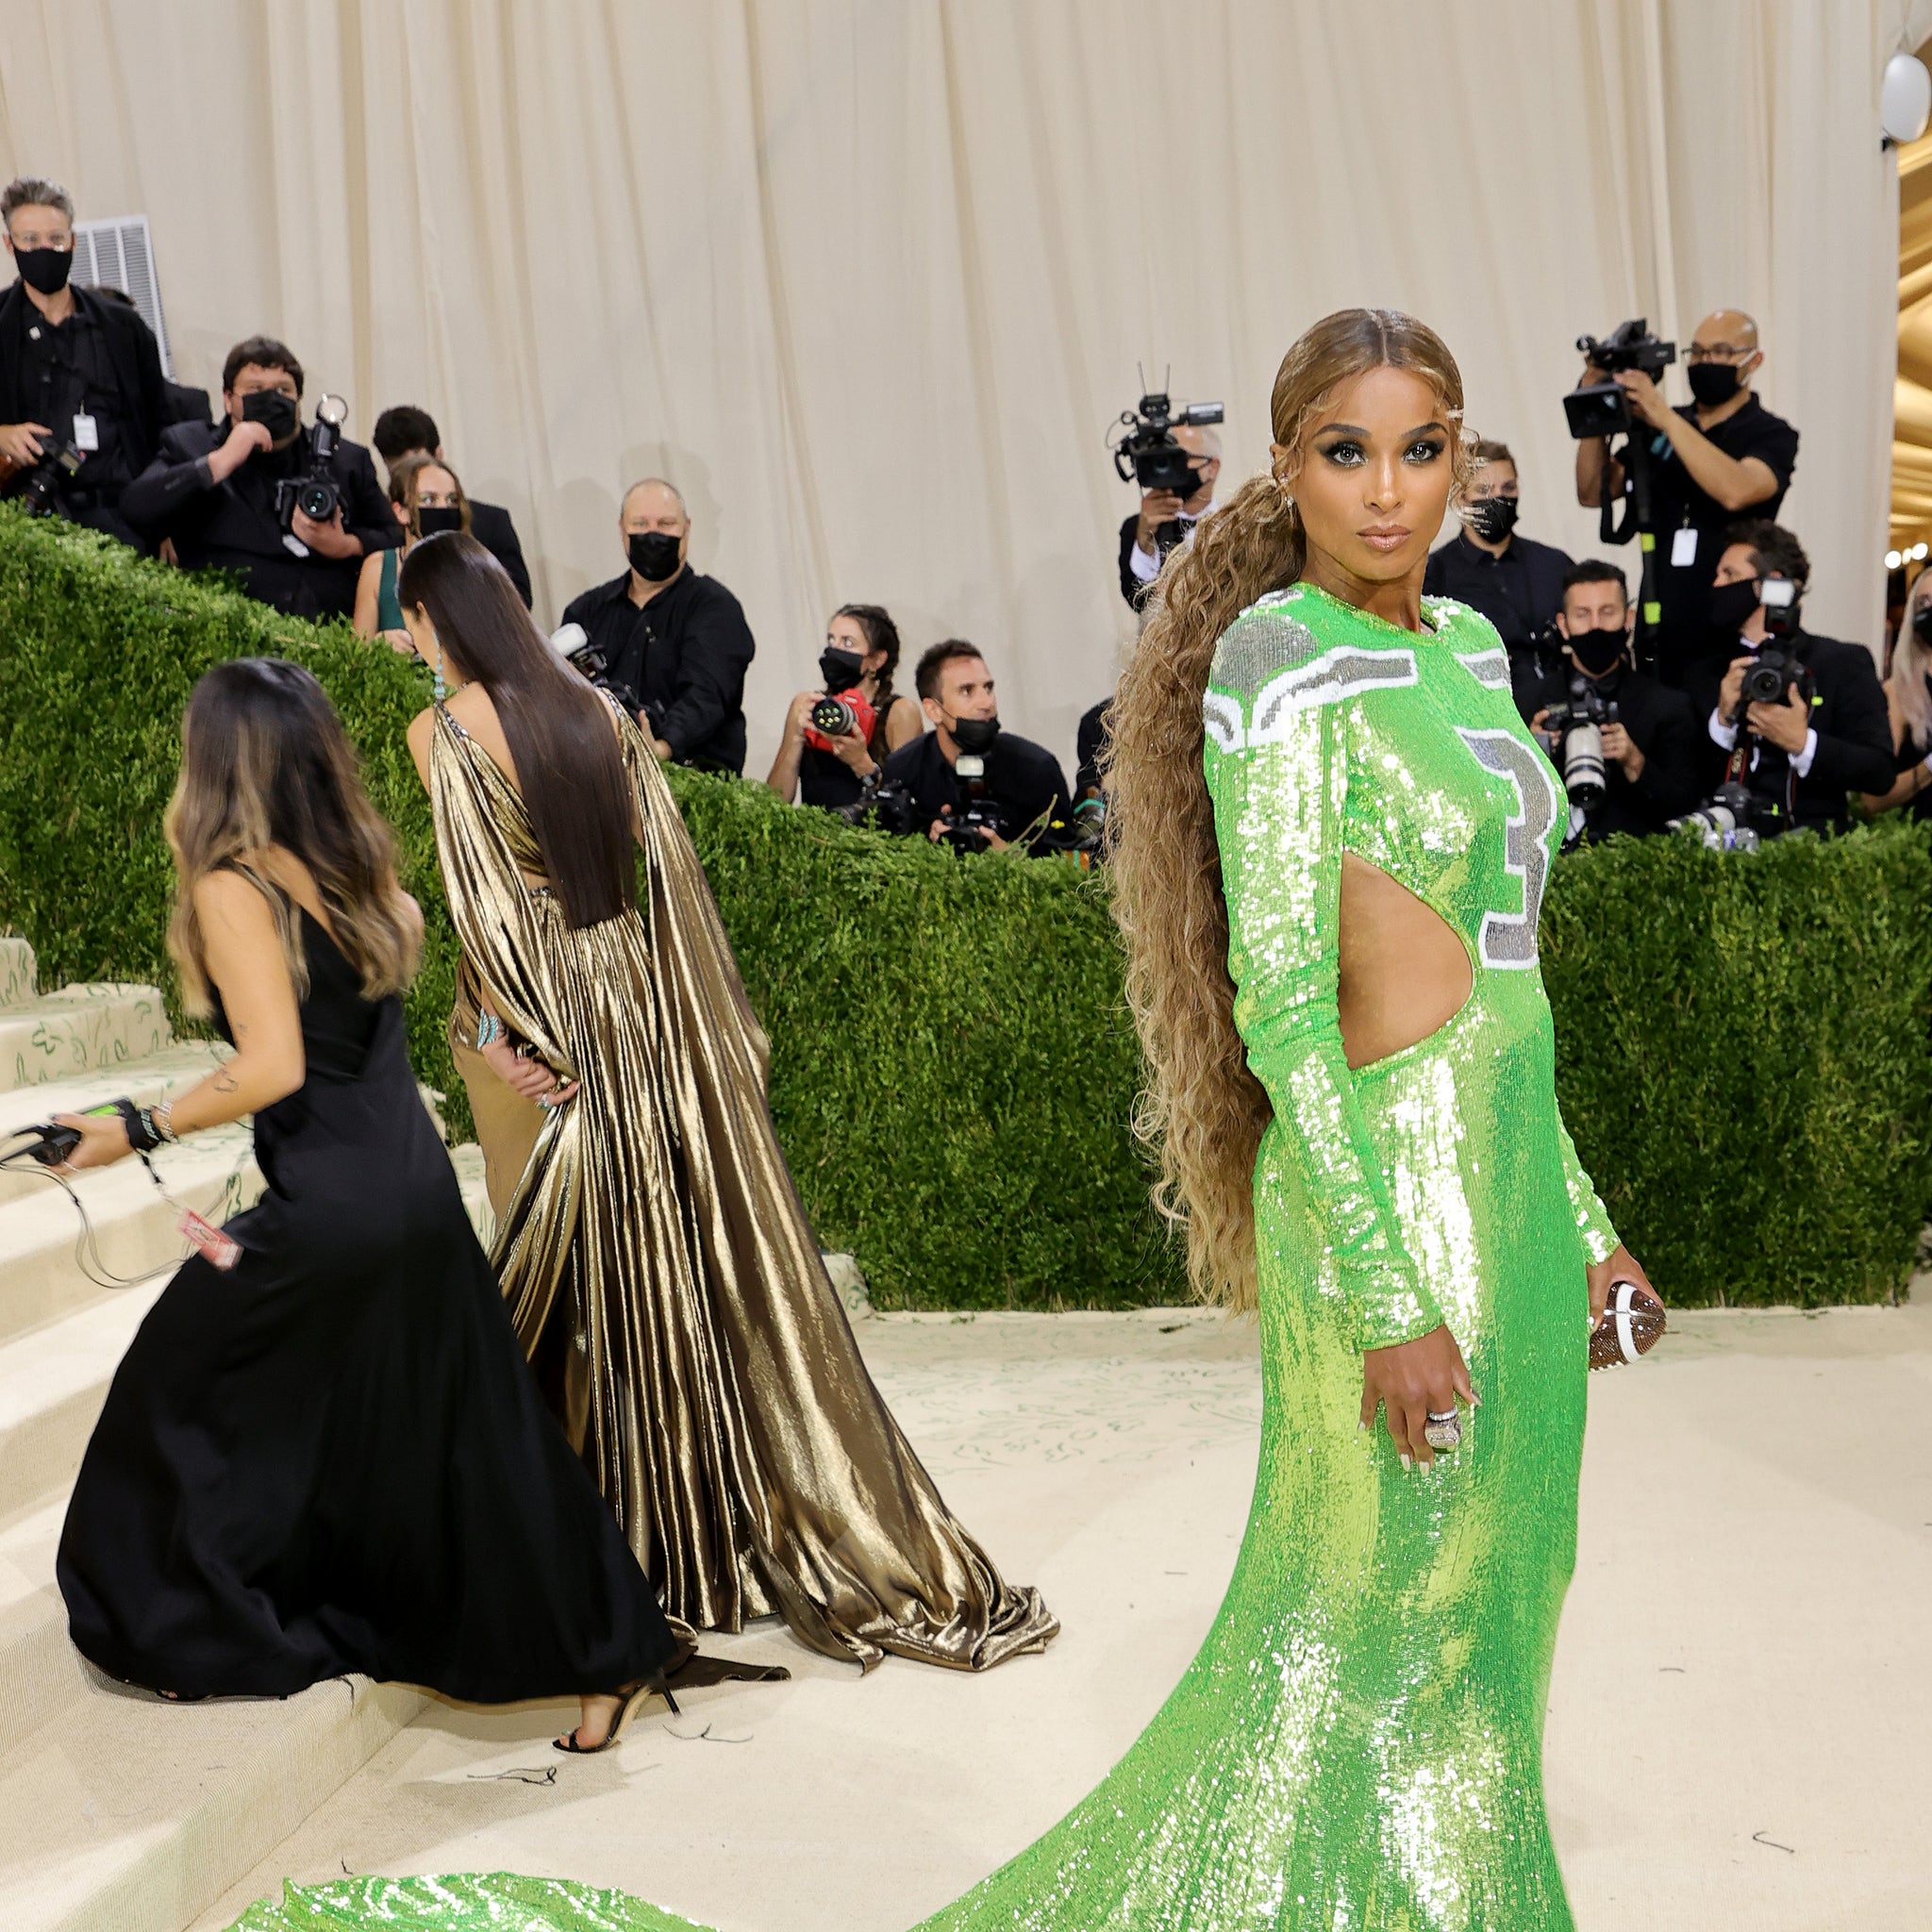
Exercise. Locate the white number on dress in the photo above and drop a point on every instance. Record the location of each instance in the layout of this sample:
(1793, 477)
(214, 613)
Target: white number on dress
(1508, 939)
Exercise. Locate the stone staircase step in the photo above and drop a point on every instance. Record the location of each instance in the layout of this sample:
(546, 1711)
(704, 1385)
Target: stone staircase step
(19, 979)
(128, 1815)
(60, 1036)
(52, 1384)
(171, 1071)
(41, 1671)
(42, 1278)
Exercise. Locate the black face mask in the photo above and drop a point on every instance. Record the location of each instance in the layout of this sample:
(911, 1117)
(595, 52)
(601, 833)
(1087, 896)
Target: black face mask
(1493, 517)
(974, 735)
(1597, 651)
(1922, 624)
(840, 668)
(44, 269)
(653, 555)
(1731, 606)
(433, 519)
(276, 412)
(1712, 383)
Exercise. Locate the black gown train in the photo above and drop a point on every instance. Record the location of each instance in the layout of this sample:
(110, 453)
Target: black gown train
(333, 1458)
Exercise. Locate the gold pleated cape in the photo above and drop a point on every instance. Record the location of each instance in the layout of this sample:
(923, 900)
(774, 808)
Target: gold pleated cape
(659, 1267)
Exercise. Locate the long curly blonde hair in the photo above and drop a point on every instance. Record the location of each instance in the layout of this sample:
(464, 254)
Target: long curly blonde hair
(1202, 1109)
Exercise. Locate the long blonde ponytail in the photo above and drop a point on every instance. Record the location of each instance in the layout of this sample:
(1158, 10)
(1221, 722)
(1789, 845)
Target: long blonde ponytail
(1202, 1109)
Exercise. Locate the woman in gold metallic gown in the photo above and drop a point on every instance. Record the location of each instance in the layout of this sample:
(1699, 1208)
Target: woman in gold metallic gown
(656, 1260)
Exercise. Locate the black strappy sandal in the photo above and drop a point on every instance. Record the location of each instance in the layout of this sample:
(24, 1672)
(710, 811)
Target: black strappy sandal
(629, 1704)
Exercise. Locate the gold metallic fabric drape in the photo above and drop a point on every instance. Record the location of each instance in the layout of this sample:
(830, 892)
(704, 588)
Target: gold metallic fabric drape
(661, 1273)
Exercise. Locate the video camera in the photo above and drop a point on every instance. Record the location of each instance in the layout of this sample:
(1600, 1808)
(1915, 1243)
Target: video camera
(317, 495)
(1145, 450)
(1602, 408)
(572, 642)
(1580, 725)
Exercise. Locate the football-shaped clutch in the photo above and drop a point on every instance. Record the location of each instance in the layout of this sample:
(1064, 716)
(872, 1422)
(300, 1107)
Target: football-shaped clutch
(1632, 1320)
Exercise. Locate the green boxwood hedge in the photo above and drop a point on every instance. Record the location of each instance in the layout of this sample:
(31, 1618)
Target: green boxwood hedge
(1742, 1042)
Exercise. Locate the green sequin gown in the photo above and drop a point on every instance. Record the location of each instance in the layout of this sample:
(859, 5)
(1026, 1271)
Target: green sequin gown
(1358, 1747)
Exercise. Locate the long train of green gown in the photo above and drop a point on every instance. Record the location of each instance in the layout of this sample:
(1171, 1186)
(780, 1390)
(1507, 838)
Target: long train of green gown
(1358, 1747)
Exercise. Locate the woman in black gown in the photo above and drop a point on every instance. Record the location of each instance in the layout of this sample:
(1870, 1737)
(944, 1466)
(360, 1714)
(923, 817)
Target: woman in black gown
(330, 1455)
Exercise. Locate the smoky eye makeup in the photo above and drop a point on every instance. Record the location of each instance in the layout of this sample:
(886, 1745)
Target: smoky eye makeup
(1345, 450)
(1424, 449)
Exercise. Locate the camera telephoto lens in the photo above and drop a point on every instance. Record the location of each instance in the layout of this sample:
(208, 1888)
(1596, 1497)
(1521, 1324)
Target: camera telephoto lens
(1582, 764)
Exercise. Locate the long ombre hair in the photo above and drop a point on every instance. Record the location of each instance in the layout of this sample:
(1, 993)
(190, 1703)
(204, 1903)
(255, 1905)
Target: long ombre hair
(1911, 666)
(1202, 1109)
(569, 772)
(265, 761)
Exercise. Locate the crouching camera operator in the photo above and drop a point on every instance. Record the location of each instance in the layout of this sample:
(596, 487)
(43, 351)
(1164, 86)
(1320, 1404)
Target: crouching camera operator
(837, 737)
(967, 782)
(1798, 721)
(1625, 744)
(292, 511)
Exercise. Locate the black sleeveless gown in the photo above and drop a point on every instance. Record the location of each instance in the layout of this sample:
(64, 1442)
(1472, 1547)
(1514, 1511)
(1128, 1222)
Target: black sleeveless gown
(333, 1458)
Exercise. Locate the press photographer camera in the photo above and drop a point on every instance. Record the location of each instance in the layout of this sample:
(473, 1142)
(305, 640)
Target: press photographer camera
(44, 487)
(1625, 744)
(1175, 457)
(1798, 721)
(316, 495)
(975, 785)
(1682, 474)
(1578, 727)
(571, 643)
(838, 733)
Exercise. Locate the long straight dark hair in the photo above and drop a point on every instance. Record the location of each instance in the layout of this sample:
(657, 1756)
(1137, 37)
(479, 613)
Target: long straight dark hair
(569, 769)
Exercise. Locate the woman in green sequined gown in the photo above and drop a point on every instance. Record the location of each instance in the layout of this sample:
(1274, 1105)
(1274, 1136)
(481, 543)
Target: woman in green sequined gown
(1360, 1130)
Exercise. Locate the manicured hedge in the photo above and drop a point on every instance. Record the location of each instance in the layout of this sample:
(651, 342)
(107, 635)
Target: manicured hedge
(1742, 1042)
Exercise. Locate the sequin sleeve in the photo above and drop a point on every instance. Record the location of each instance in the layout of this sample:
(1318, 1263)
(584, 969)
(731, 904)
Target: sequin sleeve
(1278, 771)
(1592, 1221)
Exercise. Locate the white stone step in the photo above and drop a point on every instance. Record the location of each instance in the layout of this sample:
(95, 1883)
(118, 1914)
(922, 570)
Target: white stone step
(127, 1814)
(52, 1384)
(41, 1671)
(41, 1276)
(171, 1071)
(19, 983)
(60, 1036)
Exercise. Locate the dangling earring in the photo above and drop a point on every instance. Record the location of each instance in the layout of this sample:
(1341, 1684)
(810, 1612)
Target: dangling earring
(1287, 495)
(438, 687)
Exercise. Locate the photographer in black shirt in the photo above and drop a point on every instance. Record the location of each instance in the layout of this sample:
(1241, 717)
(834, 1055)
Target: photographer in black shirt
(1516, 583)
(1719, 454)
(1650, 751)
(675, 641)
(225, 496)
(1826, 734)
(82, 396)
(1022, 784)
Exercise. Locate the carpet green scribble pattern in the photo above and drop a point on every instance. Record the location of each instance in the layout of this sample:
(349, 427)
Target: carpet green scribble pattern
(486, 1902)
(1742, 1042)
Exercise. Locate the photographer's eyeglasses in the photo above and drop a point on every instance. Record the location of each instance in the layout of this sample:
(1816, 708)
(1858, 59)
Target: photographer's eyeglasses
(1714, 352)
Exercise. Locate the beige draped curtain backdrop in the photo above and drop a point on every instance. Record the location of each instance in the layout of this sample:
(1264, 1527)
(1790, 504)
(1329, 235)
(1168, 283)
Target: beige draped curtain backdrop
(869, 278)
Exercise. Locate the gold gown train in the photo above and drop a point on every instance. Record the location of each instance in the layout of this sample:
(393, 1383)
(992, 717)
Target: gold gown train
(659, 1267)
